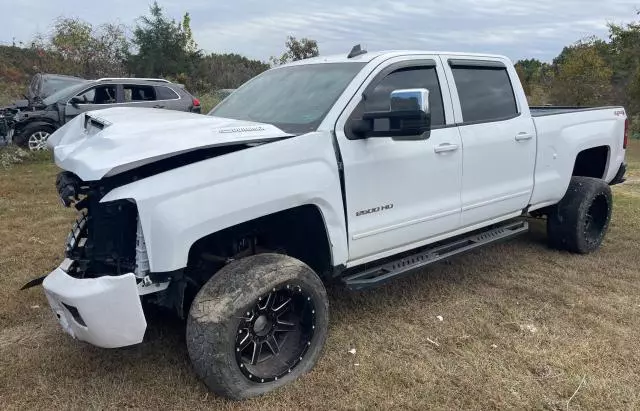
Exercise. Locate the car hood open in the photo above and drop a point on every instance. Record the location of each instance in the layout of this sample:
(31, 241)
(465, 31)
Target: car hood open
(107, 142)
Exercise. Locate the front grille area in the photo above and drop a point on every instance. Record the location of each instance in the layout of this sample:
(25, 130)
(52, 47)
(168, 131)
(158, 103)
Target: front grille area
(103, 239)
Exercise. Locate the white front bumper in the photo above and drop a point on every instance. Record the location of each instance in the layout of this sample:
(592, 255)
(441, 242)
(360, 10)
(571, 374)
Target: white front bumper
(104, 311)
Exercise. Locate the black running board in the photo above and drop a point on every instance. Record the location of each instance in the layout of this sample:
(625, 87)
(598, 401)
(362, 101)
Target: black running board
(392, 269)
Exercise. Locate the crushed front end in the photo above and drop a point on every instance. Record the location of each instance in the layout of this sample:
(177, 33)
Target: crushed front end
(96, 292)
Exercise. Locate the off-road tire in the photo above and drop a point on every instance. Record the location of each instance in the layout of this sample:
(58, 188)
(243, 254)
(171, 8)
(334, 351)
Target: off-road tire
(22, 138)
(568, 224)
(217, 311)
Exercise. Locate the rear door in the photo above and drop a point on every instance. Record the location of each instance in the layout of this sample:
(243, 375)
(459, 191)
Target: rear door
(399, 193)
(136, 95)
(498, 138)
(93, 98)
(169, 99)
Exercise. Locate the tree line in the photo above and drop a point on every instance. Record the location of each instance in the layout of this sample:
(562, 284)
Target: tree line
(158, 47)
(592, 71)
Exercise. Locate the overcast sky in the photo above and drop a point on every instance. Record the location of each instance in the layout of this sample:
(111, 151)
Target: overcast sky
(258, 28)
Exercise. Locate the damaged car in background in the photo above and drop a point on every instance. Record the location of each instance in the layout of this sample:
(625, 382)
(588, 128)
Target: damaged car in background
(41, 86)
(30, 123)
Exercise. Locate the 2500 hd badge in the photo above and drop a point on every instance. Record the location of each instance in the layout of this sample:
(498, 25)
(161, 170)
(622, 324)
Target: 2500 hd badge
(374, 210)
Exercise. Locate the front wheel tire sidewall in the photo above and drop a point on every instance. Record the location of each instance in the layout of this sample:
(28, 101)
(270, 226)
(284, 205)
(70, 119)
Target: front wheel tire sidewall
(216, 313)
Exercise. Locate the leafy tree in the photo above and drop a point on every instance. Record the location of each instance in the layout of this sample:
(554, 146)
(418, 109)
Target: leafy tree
(297, 50)
(583, 76)
(191, 45)
(86, 50)
(625, 62)
(164, 46)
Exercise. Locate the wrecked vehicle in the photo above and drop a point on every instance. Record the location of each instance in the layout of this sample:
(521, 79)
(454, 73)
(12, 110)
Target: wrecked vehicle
(43, 85)
(33, 124)
(357, 169)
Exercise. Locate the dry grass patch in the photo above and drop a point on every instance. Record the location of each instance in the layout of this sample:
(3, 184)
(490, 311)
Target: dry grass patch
(522, 327)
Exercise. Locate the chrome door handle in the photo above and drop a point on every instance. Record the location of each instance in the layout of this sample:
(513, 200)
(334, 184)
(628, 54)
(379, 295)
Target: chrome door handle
(524, 136)
(444, 148)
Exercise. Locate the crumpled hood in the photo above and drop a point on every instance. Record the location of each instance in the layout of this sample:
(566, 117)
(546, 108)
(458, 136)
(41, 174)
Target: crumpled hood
(110, 141)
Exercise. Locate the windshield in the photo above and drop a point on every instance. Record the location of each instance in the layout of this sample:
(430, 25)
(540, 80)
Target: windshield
(53, 84)
(65, 93)
(294, 99)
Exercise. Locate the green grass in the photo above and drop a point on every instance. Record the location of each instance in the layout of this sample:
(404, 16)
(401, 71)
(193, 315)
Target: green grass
(523, 328)
(208, 101)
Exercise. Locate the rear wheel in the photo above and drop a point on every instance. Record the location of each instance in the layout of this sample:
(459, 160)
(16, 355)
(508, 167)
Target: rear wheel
(256, 325)
(579, 222)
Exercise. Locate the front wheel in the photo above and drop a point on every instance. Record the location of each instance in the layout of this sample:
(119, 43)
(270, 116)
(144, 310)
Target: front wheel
(257, 324)
(579, 222)
(34, 137)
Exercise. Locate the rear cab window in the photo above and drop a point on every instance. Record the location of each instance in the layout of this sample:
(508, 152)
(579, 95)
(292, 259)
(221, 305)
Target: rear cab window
(485, 90)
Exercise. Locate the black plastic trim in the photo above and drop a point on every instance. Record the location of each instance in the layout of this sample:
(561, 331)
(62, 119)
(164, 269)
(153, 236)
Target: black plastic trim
(163, 276)
(343, 190)
(476, 63)
(553, 110)
(493, 120)
(75, 314)
(619, 178)
(399, 66)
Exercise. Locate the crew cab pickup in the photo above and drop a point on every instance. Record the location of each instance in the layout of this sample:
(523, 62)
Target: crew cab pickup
(353, 168)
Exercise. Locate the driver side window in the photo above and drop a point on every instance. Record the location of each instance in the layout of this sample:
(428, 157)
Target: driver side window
(408, 78)
(99, 95)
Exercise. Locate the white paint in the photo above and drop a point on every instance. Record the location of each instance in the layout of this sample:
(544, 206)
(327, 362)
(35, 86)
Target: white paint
(136, 136)
(492, 177)
(109, 306)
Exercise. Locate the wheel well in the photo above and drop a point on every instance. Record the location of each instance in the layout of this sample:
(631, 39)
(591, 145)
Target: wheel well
(20, 127)
(591, 162)
(298, 232)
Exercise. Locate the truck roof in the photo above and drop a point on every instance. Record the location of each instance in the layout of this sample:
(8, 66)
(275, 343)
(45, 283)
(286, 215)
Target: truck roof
(369, 56)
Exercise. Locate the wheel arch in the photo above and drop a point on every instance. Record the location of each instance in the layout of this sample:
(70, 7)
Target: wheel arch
(300, 232)
(22, 131)
(22, 126)
(592, 162)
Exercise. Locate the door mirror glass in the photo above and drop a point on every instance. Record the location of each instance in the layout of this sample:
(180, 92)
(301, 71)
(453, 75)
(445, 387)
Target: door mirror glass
(408, 117)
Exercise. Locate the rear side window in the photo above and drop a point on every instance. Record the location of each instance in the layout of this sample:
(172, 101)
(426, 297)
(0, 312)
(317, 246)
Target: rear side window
(165, 93)
(415, 77)
(138, 93)
(485, 93)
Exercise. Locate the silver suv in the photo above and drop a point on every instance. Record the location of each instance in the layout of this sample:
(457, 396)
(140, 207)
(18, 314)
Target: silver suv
(33, 126)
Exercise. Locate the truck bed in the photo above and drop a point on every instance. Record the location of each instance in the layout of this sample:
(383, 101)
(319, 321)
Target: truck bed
(539, 111)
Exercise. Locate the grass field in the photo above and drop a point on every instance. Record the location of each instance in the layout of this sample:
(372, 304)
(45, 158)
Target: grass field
(523, 327)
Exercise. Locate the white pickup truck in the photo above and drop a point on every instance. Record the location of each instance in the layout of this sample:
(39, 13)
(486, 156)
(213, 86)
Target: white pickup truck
(354, 168)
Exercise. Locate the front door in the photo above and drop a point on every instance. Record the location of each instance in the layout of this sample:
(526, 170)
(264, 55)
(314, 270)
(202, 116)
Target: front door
(399, 193)
(498, 139)
(94, 98)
